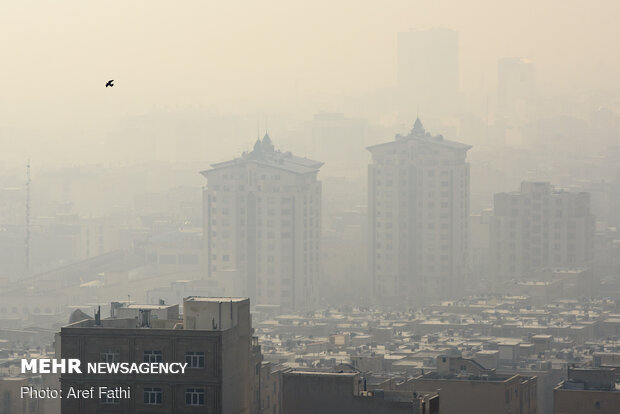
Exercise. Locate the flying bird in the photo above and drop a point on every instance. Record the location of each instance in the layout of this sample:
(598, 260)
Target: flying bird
(110, 83)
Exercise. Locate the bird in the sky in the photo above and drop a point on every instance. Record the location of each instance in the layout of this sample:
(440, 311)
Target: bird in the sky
(110, 83)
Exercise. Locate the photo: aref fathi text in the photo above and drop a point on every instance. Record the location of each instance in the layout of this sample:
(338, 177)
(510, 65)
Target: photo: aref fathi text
(101, 392)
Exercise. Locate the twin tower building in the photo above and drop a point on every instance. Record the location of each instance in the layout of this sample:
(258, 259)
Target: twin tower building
(262, 222)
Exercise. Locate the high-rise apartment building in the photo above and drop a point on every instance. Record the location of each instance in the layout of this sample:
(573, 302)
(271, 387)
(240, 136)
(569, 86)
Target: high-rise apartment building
(214, 337)
(515, 83)
(262, 226)
(540, 227)
(418, 208)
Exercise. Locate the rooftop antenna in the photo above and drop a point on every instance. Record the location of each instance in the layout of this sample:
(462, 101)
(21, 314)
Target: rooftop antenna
(28, 217)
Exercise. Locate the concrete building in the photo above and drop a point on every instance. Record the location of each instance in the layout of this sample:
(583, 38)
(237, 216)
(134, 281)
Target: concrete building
(515, 83)
(467, 387)
(262, 226)
(11, 401)
(588, 390)
(479, 245)
(214, 338)
(418, 209)
(540, 227)
(311, 392)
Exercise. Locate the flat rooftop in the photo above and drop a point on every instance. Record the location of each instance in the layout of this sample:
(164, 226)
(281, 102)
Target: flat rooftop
(210, 299)
(323, 373)
(465, 377)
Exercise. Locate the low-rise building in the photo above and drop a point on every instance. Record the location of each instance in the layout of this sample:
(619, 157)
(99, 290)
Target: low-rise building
(588, 390)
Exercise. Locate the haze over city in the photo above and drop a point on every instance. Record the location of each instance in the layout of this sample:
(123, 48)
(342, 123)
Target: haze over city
(335, 207)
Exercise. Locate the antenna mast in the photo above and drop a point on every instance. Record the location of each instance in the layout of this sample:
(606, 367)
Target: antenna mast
(28, 217)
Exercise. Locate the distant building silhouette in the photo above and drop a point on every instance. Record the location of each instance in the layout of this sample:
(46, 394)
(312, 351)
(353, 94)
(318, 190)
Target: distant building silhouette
(515, 83)
(262, 226)
(540, 227)
(418, 208)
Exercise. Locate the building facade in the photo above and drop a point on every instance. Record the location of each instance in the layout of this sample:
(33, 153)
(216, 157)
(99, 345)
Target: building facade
(418, 209)
(214, 338)
(262, 226)
(310, 392)
(588, 391)
(467, 387)
(540, 227)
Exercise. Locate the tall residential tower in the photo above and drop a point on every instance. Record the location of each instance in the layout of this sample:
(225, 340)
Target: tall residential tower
(418, 208)
(540, 227)
(262, 226)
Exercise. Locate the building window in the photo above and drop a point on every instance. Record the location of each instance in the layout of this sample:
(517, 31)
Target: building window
(195, 396)
(153, 396)
(109, 400)
(195, 359)
(109, 357)
(167, 259)
(188, 259)
(152, 356)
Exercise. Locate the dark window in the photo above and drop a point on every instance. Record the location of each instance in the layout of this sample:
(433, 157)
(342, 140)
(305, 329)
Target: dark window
(109, 400)
(153, 396)
(152, 356)
(195, 396)
(195, 359)
(109, 357)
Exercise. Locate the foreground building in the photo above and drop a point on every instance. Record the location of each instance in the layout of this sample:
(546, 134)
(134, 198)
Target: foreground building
(310, 392)
(214, 338)
(588, 390)
(540, 227)
(418, 209)
(262, 226)
(467, 387)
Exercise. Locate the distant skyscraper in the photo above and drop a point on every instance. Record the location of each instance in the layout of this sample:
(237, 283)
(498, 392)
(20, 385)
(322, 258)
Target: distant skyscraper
(515, 82)
(540, 227)
(262, 226)
(418, 208)
(428, 65)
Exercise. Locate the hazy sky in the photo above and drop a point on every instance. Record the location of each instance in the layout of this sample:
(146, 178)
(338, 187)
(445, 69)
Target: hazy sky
(57, 55)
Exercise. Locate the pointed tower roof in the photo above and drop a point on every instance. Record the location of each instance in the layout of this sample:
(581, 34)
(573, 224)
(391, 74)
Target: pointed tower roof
(418, 128)
(267, 144)
(257, 145)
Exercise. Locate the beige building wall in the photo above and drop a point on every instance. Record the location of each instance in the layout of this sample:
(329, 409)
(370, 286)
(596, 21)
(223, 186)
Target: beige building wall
(418, 208)
(540, 227)
(262, 215)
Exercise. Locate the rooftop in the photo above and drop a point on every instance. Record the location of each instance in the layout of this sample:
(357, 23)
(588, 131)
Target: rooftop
(264, 153)
(211, 299)
(419, 133)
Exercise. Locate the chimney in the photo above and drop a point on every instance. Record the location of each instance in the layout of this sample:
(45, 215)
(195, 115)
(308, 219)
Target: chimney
(145, 318)
(98, 317)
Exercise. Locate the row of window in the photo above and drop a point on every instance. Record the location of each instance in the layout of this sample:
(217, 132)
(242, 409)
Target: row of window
(155, 396)
(194, 359)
